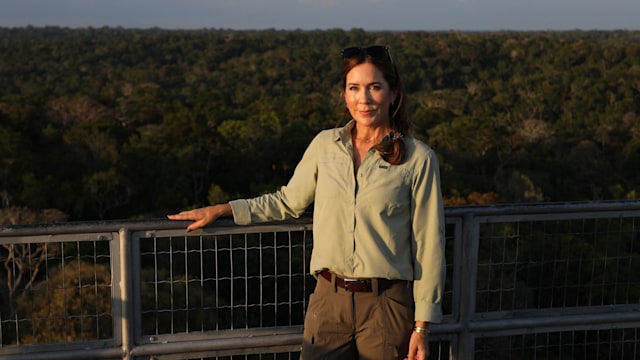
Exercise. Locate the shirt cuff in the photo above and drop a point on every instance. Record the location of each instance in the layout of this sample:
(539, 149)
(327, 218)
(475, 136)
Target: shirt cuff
(241, 213)
(428, 312)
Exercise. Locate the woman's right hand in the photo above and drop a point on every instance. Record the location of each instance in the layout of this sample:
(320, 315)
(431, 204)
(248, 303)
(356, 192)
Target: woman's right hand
(203, 216)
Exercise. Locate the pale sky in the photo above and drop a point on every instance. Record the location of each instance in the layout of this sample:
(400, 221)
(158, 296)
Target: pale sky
(429, 15)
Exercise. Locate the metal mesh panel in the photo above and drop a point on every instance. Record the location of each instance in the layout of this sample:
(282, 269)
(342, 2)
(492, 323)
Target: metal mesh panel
(573, 345)
(224, 282)
(448, 295)
(56, 292)
(558, 263)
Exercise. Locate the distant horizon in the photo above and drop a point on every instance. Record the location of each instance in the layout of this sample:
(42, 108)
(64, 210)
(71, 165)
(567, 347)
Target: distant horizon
(312, 30)
(310, 15)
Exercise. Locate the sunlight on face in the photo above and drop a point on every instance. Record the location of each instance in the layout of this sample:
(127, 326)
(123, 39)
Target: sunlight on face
(368, 96)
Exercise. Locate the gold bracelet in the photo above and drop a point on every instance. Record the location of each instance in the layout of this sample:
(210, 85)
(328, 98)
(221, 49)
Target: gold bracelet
(421, 330)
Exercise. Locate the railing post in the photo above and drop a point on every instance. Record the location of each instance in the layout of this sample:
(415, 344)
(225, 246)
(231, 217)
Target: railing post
(468, 282)
(125, 293)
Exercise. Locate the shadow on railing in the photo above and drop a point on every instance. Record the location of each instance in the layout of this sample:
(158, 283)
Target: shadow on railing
(543, 280)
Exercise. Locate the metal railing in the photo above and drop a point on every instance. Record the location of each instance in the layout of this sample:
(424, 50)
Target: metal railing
(523, 281)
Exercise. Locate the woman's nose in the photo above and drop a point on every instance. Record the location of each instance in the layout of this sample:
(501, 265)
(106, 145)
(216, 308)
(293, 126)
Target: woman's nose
(365, 96)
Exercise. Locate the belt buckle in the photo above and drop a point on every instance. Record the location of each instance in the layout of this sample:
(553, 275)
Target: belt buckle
(357, 285)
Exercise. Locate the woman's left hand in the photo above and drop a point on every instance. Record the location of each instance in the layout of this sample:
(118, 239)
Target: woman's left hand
(418, 347)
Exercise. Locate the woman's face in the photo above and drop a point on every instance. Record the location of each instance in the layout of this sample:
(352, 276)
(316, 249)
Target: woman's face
(368, 96)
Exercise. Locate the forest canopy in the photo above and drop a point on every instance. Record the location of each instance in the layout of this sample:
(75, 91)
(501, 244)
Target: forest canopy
(113, 123)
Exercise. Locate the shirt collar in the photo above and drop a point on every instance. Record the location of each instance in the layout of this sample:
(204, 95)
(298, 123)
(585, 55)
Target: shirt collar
(344, 133)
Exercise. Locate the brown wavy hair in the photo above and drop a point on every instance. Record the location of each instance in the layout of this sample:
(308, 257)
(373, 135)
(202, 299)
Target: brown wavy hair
(392, 147)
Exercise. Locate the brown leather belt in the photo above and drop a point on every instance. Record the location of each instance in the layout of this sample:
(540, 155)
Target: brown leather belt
(359, 285)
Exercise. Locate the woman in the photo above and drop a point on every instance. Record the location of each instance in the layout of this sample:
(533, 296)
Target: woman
(378, 250)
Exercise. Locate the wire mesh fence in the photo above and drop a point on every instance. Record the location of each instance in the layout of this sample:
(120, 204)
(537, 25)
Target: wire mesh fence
(546, 267)
(570, 345)
(522, 282)
(56, 292)
(558, 263)
(224, 282)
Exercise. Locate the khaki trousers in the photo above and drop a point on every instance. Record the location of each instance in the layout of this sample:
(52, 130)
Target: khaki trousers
(373, 325)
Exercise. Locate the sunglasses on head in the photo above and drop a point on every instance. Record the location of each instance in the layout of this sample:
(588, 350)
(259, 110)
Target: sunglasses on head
(376, 52)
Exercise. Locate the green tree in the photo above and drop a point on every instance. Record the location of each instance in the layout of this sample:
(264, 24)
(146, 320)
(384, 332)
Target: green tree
(72, 304)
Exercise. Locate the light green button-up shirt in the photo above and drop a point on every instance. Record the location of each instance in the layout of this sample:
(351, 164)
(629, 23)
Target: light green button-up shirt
(387, 221)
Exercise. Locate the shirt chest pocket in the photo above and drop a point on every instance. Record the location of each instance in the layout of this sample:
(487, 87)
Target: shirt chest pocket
(334, 178)
(387, 190)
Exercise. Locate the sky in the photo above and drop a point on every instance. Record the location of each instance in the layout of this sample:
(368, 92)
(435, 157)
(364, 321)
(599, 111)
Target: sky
(370, 15)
